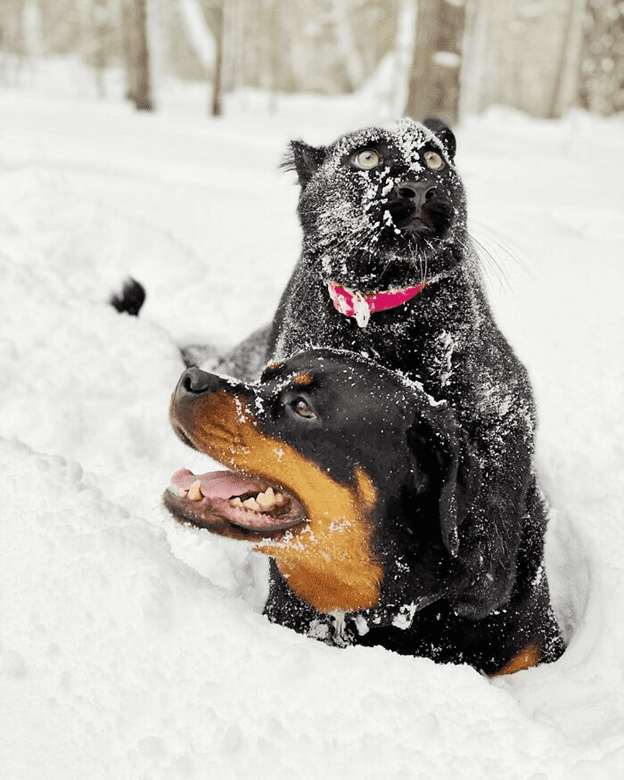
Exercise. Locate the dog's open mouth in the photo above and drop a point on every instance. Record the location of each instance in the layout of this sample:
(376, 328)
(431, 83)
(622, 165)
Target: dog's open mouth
(218, 497)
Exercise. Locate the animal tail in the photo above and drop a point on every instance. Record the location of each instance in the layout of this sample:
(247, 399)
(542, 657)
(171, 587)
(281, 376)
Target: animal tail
(130, 299)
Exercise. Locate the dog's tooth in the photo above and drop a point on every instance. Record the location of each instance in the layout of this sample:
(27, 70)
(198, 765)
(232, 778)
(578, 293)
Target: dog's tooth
(266, 499)
(236, 501)
(251, 503)
(280, 499)
(194, 492)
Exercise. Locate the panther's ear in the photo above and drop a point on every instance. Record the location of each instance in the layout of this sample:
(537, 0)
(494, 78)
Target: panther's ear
(304, 159)
(444, 133)
(439, 447)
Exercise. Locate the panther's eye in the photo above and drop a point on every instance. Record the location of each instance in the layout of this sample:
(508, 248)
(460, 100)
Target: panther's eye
(301, 407)
(366, 159)
(434, 161)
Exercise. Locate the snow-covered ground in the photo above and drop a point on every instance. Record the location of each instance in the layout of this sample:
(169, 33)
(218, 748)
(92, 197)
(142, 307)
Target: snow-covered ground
(132, 647)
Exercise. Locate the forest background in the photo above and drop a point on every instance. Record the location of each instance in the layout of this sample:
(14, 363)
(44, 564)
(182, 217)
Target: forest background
(444, 57)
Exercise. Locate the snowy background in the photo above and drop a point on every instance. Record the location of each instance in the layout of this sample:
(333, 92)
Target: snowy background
(132, 647)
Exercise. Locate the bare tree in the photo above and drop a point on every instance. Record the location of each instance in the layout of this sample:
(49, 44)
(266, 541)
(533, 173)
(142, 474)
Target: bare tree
(136, 54)
(215, 16)
(434, 80)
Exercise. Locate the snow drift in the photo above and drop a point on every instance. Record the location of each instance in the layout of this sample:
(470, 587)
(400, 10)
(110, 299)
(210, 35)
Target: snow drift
(132, 647)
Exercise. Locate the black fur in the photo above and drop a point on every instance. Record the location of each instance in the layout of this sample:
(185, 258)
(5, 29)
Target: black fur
(360, 231)
(130, 299)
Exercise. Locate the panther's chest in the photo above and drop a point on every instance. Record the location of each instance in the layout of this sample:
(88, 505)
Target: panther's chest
(417, 338)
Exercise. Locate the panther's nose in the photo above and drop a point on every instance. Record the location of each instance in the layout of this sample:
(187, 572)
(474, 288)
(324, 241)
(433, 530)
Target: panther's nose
(418, 192)
(196, 381)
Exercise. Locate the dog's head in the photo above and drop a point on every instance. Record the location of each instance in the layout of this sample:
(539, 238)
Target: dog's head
(349, 476)
(377, 205)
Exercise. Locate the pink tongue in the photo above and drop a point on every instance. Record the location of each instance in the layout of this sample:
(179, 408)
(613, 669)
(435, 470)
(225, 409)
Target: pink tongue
(218, 484)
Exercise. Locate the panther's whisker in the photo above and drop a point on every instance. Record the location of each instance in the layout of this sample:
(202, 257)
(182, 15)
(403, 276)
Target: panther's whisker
(348, 242)
(491, 263)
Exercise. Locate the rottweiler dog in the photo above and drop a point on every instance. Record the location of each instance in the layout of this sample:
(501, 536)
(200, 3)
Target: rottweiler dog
(360, 487)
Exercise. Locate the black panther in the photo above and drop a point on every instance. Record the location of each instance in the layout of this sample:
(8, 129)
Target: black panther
(388, 271)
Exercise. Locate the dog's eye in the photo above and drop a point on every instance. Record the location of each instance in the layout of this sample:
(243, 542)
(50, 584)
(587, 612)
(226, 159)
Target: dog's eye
(301, 407)
(366, 159)
(434, 161)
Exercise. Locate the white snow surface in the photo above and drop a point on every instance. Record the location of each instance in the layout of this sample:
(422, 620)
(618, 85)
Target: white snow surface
(133, 647)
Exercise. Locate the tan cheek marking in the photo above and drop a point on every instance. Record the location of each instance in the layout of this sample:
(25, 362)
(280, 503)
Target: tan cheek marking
(328, 562)
(525, 659)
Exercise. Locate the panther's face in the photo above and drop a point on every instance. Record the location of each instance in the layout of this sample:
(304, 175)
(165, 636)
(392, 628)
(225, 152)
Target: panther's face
(378, 204)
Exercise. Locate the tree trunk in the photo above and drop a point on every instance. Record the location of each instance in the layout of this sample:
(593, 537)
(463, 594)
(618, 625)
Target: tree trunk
(434, 80)
(127, 49)
(99, 27)
(136, 53)
(216, 22)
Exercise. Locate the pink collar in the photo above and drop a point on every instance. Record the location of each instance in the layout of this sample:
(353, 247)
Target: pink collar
(352, 303)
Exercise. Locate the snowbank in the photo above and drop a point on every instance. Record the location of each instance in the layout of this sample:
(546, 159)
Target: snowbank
(131, 647)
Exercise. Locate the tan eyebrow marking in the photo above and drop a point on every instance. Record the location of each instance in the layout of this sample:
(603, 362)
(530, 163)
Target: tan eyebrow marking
(303, 379)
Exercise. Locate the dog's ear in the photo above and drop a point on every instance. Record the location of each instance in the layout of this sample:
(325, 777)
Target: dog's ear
(444, 133)
(304, 159)
(439, 447)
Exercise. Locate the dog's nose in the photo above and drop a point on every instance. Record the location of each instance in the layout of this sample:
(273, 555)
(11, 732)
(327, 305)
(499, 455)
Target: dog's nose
(194, 380)
(418, 192)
